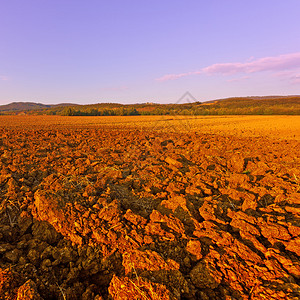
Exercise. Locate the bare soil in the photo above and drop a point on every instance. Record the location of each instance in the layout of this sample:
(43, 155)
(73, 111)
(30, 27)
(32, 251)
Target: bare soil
(104, 212)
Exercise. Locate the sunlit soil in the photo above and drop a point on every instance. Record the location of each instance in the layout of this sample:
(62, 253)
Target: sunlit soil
(149, 207)
(279, 127)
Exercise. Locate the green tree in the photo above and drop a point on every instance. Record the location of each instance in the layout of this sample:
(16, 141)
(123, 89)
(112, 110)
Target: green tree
(68, 111)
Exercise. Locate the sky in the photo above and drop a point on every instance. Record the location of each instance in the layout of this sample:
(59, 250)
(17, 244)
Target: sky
(136, 51)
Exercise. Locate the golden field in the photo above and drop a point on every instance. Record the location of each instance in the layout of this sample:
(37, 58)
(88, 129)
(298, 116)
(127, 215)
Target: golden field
(279, 127)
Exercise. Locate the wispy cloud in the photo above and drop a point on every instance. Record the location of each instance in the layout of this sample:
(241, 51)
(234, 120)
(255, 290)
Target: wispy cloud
(266, 64)
(292, 76)
(176, 76)
(296, 79)
(273, 63)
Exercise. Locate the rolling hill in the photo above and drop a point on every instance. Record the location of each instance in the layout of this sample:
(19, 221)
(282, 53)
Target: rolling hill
(268, 105)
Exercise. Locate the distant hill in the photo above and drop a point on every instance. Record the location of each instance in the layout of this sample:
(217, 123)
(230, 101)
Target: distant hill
(63, 104)
(22, 106)
(26, 106)
(269, 105)
(255, 98)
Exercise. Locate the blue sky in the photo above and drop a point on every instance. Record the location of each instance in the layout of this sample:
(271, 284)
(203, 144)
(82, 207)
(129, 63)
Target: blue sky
(139, 51)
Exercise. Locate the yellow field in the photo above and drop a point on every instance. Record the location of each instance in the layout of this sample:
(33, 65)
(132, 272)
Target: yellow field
(281, 127)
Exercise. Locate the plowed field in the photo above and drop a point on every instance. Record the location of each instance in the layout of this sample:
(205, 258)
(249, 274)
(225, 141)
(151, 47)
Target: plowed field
(149, 207)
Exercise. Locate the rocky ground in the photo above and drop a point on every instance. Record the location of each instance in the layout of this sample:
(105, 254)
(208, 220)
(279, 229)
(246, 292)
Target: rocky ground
(100, 213)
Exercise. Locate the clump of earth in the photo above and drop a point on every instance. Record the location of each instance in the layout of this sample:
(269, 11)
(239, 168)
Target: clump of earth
(104, 213)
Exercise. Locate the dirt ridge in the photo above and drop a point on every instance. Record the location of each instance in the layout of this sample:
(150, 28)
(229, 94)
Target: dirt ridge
(99, 213)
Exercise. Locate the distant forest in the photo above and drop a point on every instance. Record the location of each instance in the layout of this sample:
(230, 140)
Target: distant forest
(231, 106)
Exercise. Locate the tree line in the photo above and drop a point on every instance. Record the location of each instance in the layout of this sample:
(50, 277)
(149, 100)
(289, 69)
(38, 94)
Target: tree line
(289, 105)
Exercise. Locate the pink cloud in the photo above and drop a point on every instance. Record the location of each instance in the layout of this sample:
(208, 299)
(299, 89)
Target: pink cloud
(273, 63)
(226, 68)
(279, 63)
(176, 76)
(292, 75)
